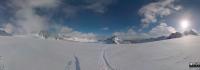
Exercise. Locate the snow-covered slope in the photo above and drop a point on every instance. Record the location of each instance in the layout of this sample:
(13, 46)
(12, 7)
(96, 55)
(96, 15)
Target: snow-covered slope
(26, 53)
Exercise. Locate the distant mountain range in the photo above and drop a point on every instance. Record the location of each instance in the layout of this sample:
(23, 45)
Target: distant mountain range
(112, 40)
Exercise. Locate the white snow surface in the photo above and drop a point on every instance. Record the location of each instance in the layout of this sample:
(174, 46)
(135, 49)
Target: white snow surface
(27, 53)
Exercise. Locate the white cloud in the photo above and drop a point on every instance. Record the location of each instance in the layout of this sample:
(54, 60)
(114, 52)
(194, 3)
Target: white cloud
(160, 8)
(96, 6)
(9, 28)
(71, 11)
(65, 30)
(99, 6)
(105, 28)
(36, 3)
(44, 3)
(29, 21)
(131, 35)
(26, 19)
(162, 30)
(81, 37)
(70, 34)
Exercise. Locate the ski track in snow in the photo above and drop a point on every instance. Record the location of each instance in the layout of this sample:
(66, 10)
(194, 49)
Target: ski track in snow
(77, 63)
(104, 63)
(74, 64)
(2, 65)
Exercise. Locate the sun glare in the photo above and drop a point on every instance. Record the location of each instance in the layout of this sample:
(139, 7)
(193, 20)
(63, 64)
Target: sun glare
(184, 24)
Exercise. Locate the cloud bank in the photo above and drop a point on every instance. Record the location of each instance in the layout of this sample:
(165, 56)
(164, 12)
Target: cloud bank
(160, 30)
(70, 34)
(131, 35)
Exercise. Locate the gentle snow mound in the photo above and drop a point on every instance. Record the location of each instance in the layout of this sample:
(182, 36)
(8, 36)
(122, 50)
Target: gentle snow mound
(24, 53)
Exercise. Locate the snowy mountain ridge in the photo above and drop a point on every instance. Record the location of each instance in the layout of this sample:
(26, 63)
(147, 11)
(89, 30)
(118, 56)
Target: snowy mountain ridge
(117, 40)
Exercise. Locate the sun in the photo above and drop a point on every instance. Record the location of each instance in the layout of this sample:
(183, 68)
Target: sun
(184, 24)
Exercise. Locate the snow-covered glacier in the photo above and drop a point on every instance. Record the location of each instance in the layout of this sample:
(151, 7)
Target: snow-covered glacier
(27, 53)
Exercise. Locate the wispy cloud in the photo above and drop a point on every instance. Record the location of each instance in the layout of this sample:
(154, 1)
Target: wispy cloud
(105, 28)
(160, 8)
(96, 6)
(26, 19)
(99, 6)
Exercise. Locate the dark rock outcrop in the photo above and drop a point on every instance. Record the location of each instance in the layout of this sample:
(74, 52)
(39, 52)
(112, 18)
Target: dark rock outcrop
(4, 33)
(112, 40)
(44, 34)
(175, 35)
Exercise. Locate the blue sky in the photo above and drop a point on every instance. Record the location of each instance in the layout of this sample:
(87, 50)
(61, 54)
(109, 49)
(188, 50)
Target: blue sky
(101, 17)
(118, 16)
